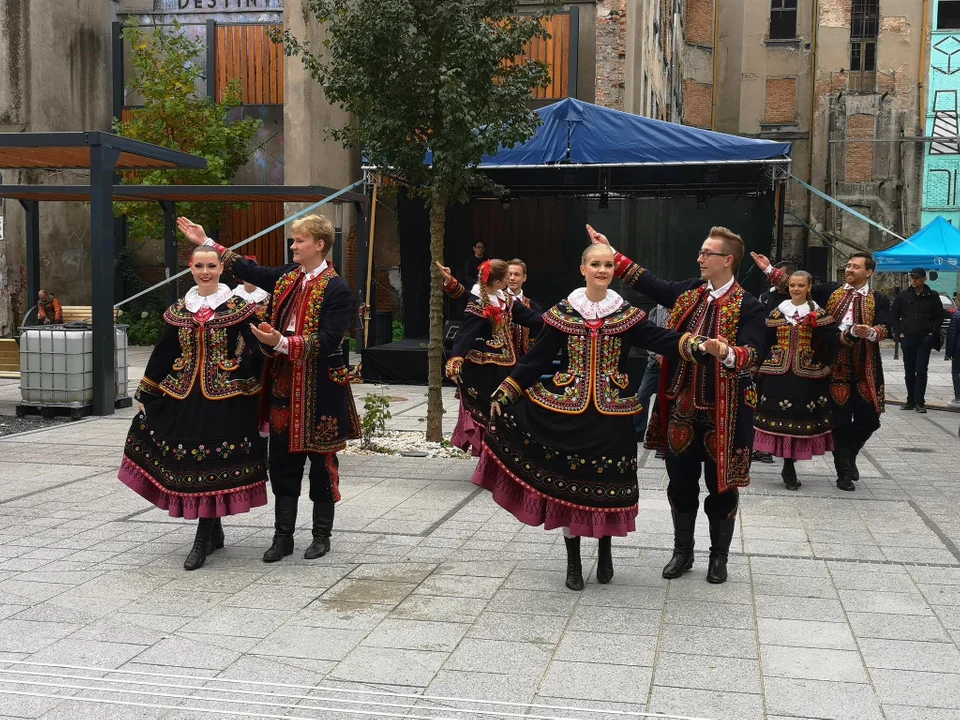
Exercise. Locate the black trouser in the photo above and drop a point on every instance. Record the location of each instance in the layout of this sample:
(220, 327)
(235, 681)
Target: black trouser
(854, 421)
(916, 358)
(286, 471)
(955, 371)
(684, 470)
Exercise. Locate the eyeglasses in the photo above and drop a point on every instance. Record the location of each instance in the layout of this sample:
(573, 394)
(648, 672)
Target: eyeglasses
(708, 253)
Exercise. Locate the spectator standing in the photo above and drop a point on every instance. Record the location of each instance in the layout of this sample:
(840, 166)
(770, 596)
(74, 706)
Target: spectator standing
(952, 352)
(471, 268)
(916, 317)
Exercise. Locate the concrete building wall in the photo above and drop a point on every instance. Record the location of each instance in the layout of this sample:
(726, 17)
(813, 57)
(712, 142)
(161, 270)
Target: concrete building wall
(54, 76)
(653, 59)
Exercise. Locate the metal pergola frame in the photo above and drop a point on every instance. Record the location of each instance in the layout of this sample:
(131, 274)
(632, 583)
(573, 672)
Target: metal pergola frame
(104, 154)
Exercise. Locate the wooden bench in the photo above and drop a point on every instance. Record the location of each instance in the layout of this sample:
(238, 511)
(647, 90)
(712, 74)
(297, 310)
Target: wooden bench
(80, 313)
(9, 358)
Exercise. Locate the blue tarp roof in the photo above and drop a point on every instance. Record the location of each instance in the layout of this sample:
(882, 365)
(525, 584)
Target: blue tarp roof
(601, 136)
(936, 246)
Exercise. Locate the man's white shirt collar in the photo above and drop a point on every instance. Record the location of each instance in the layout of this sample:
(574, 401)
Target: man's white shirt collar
(863, 290)
(308, 276)
(714, 294)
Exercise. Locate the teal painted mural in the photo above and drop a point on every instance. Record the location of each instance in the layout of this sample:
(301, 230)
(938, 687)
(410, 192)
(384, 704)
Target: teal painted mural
(941, 166)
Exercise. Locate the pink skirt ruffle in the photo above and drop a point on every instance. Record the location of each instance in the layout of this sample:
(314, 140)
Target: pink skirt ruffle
(468, 434)
(532, 508)
(792, 448)
(192, 506)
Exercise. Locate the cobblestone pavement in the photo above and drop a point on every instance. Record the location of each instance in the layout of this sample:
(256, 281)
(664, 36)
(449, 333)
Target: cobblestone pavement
(434, 601)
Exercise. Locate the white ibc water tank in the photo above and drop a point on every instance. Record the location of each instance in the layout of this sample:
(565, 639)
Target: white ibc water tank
(56, 365)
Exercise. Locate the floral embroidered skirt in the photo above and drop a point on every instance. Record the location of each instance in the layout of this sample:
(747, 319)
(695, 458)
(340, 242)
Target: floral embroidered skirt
(197, 458)
(793, 418)
(477, 384)
(559, 470)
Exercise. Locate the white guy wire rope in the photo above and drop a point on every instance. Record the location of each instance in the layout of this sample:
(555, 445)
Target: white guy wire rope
(625, 713)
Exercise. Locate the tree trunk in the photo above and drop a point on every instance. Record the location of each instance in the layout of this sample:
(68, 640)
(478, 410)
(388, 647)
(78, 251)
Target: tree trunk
(438, 216)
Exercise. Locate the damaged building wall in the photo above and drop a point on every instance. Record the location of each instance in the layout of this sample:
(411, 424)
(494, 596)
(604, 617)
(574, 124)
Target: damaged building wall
(654, 52)
(54, 76)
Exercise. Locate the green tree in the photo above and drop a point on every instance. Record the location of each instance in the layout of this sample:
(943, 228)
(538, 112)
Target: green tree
(443, 75)
(168, 74)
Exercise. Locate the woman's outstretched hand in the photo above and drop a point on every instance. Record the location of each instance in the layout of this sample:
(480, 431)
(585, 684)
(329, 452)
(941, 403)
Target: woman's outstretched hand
(445, 272)
(193, 232)
(762, 261)
(495, 409)
(597, 238)
(266, 334)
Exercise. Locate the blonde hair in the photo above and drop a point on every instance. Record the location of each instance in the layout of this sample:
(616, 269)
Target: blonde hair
(520, 263)
(732, 243)
(318, 227)
(809, 278)
(589, 250)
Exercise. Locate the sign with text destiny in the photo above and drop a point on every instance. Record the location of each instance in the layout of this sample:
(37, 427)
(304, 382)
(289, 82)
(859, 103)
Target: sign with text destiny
(216, 6)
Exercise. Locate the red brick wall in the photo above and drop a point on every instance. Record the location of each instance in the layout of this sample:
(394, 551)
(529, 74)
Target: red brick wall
(780, 102)
(858, 158)
(697, 103)
(698, 22)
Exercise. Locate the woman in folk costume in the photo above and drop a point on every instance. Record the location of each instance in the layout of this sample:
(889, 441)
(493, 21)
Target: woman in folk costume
(306, 402)
(562, 453)
(703, 419)
(484, 350)
(793, 419)
(194, 448)
(252, 294)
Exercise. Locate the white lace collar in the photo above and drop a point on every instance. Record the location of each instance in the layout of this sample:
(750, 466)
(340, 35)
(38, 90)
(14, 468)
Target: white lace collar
(497, 298)
(193, 300)
(795, 313)
(594, 310)
(256, 296)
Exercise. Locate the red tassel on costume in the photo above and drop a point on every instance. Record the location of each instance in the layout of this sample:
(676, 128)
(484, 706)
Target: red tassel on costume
(493, 313)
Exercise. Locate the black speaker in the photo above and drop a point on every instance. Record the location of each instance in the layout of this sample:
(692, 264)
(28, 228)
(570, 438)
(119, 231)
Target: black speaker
(817, 259)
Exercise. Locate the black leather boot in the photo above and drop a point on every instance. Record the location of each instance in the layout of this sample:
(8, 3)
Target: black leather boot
(684, 525)
(217, 537)
(789, 474)
(574, 568)
(604, 561)
(854, 472)
(322, 527)
(285, 522)
(201, 545)
(842, 462)
(721, 535)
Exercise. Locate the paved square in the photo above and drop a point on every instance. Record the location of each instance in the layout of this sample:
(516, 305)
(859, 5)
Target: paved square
(434, 603)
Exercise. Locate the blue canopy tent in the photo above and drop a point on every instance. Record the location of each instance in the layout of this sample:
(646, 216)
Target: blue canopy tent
(936, 246)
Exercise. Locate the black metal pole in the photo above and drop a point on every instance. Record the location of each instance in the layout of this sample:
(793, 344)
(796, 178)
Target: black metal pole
(32, 209)
(172, 290)
(103, 160)
(212, 60)
(781, 211)
(363, 250)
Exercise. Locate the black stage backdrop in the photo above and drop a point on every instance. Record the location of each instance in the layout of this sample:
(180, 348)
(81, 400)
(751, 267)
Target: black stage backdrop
(662, 234)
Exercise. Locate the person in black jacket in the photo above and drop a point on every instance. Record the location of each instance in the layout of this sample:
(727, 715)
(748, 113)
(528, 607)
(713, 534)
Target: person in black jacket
(471, 268)
(916, 317)
(952, 352)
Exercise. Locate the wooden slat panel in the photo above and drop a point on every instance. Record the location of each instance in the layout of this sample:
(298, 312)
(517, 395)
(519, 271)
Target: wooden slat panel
(246, 53)
(555, 52)
(241, 224)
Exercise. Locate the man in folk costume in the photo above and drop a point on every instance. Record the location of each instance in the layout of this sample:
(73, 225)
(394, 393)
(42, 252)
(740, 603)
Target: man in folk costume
(306, 399)
(856, 386)
(703, 418)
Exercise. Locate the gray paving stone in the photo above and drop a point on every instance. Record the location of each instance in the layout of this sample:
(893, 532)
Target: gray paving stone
(705, 672)
(299, 641)
(910, 655)
(604, 649)
(389, 665)
(483, 686)
(441, 609)
(369, 591)
(533, 602)
(791, 608)
(889, 603)
(711, 614)
(459, 586)
(94, 653)
(805, 633)
(409, 572)
(268, 596)
(180, 652)
(924, 628)
(238, 622)
(903, 712)
(711, 641)
(627, 683)
(628, 621)
(546, 629)
(706, 703)
(921, 689)
(499, 656)
(820, 699)
(417, 635)
(806, 663)
(30, 636)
